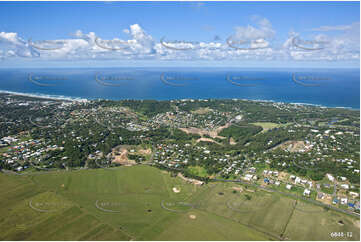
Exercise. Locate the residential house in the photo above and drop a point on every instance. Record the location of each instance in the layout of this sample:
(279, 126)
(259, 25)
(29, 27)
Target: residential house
(306, 192)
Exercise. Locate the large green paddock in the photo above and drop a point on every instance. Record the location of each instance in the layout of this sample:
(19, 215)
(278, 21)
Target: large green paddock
(139, 203)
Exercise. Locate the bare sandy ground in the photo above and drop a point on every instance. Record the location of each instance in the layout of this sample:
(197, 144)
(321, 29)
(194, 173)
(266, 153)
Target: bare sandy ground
(207, 140)
(202, 132)
(292, 145)
(240, 189)
(193, 181)
(232, 142)
(122, 158)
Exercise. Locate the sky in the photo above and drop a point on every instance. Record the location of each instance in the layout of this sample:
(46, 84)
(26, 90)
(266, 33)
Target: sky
(214, 34)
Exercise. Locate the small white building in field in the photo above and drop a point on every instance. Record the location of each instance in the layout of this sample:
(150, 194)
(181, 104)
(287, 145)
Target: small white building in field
(345, 186)
(330, 177)
(247, 177)
(344, 200)
(342, 178)
(306, 192)
(354, 194)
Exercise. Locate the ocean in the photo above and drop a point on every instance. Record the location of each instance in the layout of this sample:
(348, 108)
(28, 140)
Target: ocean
(324, 87)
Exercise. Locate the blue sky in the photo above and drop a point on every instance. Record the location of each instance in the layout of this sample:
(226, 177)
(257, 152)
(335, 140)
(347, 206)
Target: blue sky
(264, 34)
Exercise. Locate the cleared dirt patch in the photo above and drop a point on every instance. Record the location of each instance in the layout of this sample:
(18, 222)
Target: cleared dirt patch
(192, 216)
(207, 140)
(202, 132)
(240, 189)
(120, 156)
(293, 146)
(190, 180)
(232, 142)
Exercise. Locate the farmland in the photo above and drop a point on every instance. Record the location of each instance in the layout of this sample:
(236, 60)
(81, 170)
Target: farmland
(140, 203)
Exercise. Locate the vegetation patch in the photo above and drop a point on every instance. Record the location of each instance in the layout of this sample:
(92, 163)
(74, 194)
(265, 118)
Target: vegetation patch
(198, 171)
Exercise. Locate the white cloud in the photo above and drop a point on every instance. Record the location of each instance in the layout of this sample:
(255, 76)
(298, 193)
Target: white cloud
(255, 42)
(345, 45)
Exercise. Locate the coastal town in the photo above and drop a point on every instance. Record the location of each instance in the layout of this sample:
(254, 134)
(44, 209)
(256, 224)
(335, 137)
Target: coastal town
(301, 150)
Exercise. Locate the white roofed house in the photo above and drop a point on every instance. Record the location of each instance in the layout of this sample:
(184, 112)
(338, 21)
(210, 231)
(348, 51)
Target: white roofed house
(342, 178)
(306, 192)
(330, 177)
(345, 186)
(343, 200)
(247, 177)
(354, 194)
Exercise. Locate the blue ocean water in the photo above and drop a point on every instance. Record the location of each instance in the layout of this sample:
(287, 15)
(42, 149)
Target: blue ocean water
(326, 87)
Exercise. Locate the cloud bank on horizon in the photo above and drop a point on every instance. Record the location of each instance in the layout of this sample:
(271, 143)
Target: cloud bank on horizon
(255, 41)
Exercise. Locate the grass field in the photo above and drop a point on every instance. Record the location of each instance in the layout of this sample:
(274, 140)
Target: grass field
(198, 171)
(139, 203)
(267, 125)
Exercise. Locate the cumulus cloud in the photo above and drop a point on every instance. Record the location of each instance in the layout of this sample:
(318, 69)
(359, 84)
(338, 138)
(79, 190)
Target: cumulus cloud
(344, 45)
(250, 42)
(12, 45)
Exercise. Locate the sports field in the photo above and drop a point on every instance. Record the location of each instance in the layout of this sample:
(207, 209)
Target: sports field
(145, 203)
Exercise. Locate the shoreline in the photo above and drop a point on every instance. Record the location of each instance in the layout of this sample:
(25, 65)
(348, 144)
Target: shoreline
(79, 99)
(44, 96)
